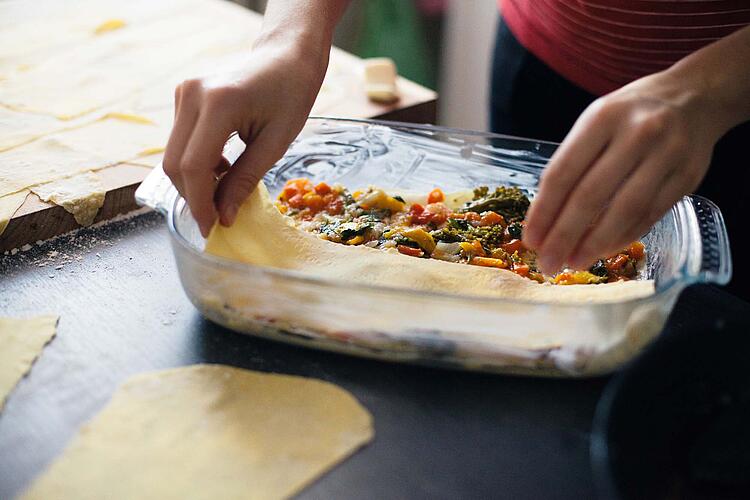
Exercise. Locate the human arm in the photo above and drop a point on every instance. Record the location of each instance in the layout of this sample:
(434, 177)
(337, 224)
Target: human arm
(633, 153)
(266, 101)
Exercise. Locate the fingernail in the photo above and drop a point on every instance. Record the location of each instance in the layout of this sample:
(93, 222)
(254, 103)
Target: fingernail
(229, 215)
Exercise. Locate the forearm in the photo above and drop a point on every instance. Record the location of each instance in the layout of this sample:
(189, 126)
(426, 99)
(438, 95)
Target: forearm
(305, 26)
(720, 75)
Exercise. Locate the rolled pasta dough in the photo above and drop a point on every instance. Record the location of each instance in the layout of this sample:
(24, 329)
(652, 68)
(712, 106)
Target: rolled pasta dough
(209, 431)
(22, 341)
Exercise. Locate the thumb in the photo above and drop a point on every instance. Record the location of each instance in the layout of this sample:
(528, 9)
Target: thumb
(242, 177)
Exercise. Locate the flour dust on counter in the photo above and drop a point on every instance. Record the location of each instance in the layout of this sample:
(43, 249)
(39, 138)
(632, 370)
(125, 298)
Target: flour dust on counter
(209, 431)
(22, 341)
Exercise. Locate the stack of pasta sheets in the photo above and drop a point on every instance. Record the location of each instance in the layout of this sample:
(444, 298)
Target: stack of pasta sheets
(89, 84)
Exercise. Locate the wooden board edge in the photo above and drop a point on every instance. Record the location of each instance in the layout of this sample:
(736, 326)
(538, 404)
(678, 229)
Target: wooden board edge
(36, 220)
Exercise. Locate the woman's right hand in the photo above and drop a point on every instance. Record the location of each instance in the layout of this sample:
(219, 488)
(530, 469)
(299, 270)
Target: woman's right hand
(266, 101)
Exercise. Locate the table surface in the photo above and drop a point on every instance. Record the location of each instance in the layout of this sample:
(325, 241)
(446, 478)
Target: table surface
(438, 433)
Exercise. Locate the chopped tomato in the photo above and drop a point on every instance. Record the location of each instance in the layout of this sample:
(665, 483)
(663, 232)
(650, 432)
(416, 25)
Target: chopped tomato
(636, 250)
(302, 184)
(335, 207)
(491, 219)
(472, 217)
(434, 212)
(488, 262)
(415, 214)
(521, 269)
(322, 188)
(616, 263)
(413, 252)
(313, 201)
(435, 196)
(296, 201)
(513, 246)
(288, 192)
(439, 212)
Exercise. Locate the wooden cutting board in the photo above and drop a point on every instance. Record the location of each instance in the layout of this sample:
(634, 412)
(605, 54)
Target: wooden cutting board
(344, 97)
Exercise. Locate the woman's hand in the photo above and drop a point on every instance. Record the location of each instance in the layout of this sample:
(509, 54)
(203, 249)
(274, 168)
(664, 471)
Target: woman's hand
(266, 101)
(630, 156)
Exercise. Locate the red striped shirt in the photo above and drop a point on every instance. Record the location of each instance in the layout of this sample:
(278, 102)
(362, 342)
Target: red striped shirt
(600, 45)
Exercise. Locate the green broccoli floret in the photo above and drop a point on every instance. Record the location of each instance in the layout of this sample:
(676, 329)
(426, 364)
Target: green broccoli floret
(510, 202)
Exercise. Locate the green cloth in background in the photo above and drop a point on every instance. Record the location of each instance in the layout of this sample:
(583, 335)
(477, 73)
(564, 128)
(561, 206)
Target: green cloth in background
(393, 28)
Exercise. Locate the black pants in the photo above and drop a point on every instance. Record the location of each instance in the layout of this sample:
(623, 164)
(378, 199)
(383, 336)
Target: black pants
(530, 100)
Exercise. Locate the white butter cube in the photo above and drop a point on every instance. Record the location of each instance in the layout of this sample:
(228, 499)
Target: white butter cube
(380, 79)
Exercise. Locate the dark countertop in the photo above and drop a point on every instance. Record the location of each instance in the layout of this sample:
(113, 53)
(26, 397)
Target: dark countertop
(439, 433)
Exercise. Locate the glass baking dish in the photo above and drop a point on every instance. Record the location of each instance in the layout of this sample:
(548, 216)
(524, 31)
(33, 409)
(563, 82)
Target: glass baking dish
(688, 245)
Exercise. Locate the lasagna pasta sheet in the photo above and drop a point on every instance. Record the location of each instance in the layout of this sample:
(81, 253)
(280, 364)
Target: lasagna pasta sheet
(262, 236)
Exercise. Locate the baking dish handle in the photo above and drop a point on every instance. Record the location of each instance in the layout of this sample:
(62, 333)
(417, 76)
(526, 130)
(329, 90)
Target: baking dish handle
(156, 190)
(716, 258)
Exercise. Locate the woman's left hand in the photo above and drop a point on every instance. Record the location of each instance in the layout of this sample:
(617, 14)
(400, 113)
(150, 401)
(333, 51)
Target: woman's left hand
(629, 157)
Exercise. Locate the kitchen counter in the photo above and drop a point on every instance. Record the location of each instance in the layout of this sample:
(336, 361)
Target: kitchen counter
(438, 433)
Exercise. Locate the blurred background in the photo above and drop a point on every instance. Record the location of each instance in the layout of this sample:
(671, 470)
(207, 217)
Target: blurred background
(442, 44)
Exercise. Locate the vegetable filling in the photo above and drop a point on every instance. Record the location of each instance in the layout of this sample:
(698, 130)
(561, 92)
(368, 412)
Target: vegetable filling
(484, 231)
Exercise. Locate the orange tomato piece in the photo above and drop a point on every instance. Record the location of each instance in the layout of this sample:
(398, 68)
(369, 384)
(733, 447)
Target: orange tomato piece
(513, 246)
(335, 207)
(521, 269)
(417, 214)
(296, 201)
(322, 188)
(636, 250)
(412, 252)
(435, 196)
(616, 263)
(491, 219)
(489, 262)
(288, 192)
(301, 183)
(438, 212)
(313, 201)
(472, 217)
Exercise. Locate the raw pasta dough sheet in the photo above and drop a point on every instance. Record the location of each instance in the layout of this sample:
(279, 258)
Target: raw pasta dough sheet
(22, 341)
(209, 431)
